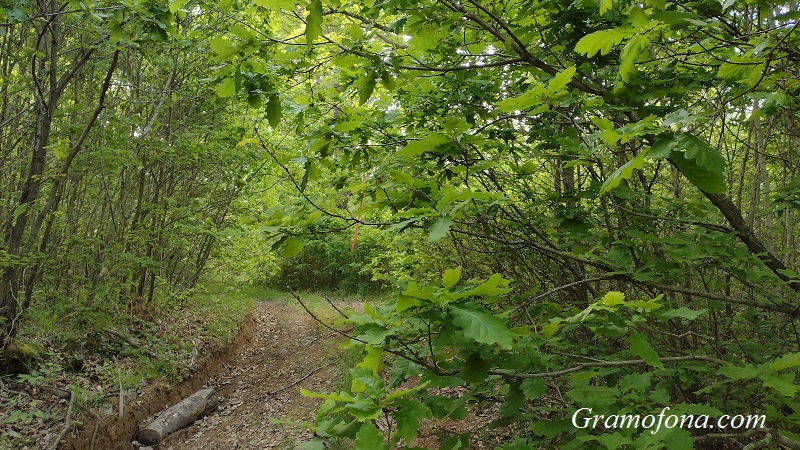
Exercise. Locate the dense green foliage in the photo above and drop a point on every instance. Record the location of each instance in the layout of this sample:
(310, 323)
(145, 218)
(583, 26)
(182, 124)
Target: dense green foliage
(622, 169)
(118, 166)
(582, 203)
(326, 263)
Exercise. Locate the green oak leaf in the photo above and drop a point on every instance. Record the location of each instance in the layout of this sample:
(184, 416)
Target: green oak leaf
(314, 22)
(482, 327)
(641, 347)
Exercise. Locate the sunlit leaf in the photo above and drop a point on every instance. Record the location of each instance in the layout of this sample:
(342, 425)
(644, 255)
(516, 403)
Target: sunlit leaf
(613, 298)
(226, 88)
(440, 228)
(451, 277)
(560, 80)
(601, 41)
(314, 22)
(292, 247)
(624, 172)
(276, 4)
(482, 327)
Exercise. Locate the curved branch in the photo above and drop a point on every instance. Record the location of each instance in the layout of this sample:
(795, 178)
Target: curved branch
(294, 182)
(516, 44)
(581, 366)
(505, 62)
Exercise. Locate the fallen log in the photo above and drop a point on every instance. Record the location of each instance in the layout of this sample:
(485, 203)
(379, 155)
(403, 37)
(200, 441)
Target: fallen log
(178, 416)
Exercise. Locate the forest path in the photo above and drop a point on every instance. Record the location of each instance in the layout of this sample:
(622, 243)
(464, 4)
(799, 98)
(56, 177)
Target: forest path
(289, 351)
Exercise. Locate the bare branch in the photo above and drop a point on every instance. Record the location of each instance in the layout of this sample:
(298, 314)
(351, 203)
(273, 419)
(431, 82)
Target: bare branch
(582, 366)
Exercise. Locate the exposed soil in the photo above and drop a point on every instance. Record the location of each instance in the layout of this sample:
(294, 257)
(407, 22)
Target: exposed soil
(278, 350)
(289, 351)
(116, 433)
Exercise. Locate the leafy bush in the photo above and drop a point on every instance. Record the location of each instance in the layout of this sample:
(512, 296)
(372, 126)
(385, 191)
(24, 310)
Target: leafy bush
(326, 262)
(539, 363)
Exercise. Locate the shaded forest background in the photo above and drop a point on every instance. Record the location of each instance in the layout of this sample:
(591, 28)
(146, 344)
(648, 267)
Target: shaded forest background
(571, 203)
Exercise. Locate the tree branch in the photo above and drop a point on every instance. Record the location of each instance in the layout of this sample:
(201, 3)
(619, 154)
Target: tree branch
(581, 366)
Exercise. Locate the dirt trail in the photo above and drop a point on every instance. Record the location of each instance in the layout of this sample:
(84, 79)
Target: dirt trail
(263, 382)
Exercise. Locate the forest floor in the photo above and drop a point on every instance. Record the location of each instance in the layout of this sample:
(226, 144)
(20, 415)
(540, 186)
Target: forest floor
(280, 349)
(289, 351)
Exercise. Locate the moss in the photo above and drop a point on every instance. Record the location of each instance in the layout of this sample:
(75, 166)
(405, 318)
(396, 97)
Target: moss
(20, 357)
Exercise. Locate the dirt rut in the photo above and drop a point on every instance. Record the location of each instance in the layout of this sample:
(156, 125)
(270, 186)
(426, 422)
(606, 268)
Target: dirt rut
(287, 352)
(278, 350)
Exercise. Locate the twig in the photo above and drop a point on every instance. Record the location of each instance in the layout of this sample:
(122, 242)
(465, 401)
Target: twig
(330, 302)
(581, 366)
(353, 338)
(761, 443)
(121, 394)
(132, 343)
(314, 316)
(561, 288)
(301, 379)
(139, 346)
(94, 431)
(67, 421)
(64, 394)
(794, 445)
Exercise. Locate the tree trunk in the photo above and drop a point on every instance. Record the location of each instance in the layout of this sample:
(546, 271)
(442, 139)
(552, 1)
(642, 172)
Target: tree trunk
(178, 416)
(47, 94)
